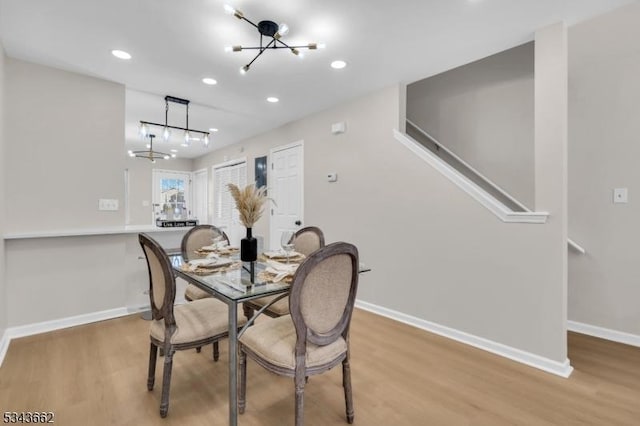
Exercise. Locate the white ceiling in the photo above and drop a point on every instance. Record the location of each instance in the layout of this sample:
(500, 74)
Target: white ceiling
(175, 43)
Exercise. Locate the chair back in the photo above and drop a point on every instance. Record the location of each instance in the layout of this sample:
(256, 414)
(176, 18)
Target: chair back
(323, 293)
(308, 240)
(197, 237)
(162, 284)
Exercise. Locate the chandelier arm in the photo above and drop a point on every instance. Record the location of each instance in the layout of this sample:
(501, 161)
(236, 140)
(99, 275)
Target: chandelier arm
(245, 19)
(260, 53)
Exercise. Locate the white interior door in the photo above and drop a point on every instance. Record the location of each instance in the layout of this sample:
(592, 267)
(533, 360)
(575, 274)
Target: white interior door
(286, 189)
(200, 196)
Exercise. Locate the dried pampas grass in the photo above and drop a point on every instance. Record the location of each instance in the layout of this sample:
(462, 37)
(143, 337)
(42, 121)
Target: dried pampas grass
(249, 202)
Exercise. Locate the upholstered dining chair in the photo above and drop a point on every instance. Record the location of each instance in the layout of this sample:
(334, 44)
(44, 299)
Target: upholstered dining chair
(197, 237)
(306, 241)
(315, 337)
(175, 328)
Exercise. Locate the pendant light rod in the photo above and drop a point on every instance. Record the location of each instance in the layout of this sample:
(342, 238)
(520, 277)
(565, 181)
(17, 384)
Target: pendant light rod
(166, 125)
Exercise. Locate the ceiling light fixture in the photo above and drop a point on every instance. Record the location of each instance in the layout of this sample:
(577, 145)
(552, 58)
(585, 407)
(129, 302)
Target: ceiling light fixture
(338, 65)
(270, 30)
(209, 81)
(272, 99)
(166, 128)
(149, 153)
(121, 54)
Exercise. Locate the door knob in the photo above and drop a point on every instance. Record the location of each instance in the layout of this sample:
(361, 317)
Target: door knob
(297, 222)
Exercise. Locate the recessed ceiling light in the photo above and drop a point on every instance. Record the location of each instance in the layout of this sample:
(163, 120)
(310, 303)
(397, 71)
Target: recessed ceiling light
(209, 81)
(121, 54)
(272, 99)
(213, 129)
(338, 65)
(174, 150)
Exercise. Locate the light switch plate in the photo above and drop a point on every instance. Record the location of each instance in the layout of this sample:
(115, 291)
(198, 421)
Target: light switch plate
(620, 195)
(107, 204)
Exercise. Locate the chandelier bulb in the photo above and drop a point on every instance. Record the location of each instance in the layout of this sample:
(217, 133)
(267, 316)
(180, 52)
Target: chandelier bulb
(295, 51)
(244, 69)
(206, 141)
(187, 138)
(283, 30)
(144, 130)
(166, 134)
(228, 49)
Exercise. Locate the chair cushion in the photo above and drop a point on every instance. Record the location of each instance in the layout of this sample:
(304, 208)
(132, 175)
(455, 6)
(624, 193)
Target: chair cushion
(197, 320)
(192, 292)
(281, 307)
(275, 340)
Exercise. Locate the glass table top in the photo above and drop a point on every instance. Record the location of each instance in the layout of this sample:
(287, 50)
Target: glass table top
(233, 284)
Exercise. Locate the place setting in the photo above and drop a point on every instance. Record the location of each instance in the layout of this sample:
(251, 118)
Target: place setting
(210, 265)
(219, 247)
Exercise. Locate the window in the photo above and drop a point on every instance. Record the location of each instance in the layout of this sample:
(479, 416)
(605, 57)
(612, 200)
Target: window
(171, 194)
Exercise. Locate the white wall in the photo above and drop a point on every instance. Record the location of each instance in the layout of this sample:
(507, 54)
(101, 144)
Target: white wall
(3, 291)
(483, 112)
(435, 253)
(66, 151)
(604, 150)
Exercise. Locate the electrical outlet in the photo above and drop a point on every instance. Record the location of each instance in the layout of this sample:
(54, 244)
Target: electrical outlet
(106, 204)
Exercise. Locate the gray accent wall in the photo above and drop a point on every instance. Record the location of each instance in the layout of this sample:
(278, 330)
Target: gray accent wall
(604, 153)
(141, 185)
(435, 253)
(3, 288)
(66, 151)
(484, 113)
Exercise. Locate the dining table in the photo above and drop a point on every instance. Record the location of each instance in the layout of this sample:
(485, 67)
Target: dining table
(233, 287)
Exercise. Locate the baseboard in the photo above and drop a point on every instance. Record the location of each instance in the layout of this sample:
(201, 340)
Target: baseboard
(4, 345)
(604, 333)
(562, 369)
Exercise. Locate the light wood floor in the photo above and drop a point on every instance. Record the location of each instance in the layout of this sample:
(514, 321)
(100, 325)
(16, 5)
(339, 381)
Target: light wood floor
(402, 376)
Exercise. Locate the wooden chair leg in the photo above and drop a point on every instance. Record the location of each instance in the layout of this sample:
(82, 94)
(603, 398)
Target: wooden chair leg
(248, 311)
(346, 383)
(216, 351)
(242, 394)
(299, 384)
(166, 381)
(198, 349)
(153, 356)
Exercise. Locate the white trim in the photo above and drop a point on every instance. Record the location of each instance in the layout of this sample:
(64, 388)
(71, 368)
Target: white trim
(496, 207)
(229, 163)
(4, 345)
(114, 230)
(46, 326)
(576, 246)
(562, 369)
(469, 167)
(604, 333)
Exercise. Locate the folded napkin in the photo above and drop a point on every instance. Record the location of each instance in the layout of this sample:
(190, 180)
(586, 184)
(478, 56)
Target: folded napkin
(208, 263)
(281, 254)
(279, 271)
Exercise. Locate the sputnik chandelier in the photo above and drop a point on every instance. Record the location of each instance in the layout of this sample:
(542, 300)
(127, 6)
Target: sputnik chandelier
(166, 128)
(273, 33)
(149, 153)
